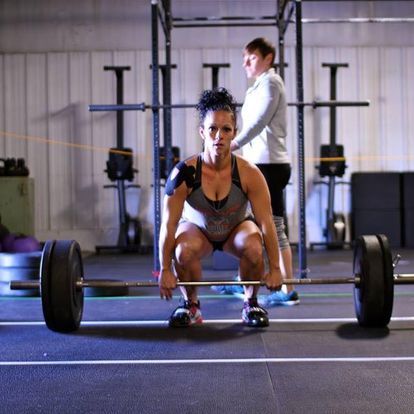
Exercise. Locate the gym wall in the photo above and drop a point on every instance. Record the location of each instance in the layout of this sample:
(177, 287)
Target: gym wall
(51, 68)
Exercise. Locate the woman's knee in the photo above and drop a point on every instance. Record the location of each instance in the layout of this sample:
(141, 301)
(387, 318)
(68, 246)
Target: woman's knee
(185, 253)
(253, 251)
(191, 249)
(281, 232)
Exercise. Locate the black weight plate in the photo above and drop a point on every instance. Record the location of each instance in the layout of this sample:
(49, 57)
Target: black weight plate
(21, 274)
(20, 259)
(62, 301)
(388, 277)
(45, 289)
(369, 292)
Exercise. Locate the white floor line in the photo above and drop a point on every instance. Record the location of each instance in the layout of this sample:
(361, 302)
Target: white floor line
(205, 321)
(208, 361)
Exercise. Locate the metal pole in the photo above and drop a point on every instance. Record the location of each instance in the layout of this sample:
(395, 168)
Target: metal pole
(143, 107)
(301, 142)
(398, 279)
(120, 283)
(332, 110)
(119, 115)
(281, 40)
(167, 91)
(156, 131)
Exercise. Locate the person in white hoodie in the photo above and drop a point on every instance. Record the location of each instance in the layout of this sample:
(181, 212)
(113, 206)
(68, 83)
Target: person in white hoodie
(263, 142)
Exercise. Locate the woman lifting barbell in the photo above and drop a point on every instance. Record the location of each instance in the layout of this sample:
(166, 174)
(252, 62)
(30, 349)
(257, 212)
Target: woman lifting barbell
(216, 200)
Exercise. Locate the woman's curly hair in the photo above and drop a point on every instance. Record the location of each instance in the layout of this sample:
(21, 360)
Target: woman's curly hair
(218, 99)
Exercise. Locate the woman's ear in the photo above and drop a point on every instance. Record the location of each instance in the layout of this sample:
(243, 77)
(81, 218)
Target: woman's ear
(269, 59)
(201, 132)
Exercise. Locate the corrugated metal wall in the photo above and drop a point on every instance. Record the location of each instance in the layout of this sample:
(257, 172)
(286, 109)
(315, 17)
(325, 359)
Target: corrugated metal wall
(44, 118)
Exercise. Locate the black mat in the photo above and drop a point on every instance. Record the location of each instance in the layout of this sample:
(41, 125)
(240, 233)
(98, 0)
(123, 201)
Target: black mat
(294, 366)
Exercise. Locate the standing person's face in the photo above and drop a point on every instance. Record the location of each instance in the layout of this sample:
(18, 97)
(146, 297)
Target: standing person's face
(255, 64)
(217, 131)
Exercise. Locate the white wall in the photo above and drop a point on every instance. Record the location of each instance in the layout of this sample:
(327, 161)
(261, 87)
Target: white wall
(51, 68)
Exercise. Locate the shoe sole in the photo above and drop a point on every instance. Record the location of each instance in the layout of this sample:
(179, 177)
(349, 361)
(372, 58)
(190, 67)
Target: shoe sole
(287, 303)
(198, 321)
(256, 325)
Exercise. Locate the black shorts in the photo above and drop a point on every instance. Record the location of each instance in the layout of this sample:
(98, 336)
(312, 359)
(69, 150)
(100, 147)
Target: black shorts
(218, 245)
(277, 177)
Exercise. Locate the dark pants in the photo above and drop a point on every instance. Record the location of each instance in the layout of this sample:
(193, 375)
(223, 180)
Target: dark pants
(277, 177)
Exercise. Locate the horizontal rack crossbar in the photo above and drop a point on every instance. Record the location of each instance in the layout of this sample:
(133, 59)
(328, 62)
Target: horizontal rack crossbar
(142, 106)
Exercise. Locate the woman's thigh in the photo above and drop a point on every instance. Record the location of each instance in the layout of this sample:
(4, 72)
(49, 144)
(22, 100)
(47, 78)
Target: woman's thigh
(189, 236)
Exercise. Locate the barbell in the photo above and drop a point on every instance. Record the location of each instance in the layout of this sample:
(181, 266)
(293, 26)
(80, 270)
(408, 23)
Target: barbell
(143, 106)
(61, 282)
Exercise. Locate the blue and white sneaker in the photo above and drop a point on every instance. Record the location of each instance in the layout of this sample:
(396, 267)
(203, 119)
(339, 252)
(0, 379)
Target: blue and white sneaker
(236, 290)
(281, 298)
(228, 289)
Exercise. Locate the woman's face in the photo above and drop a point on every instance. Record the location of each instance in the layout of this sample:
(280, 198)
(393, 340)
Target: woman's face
(255, 64)
(217, 131)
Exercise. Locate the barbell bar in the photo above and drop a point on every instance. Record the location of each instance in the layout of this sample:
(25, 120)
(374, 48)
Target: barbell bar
(102, 283)
(143, 107)
(61, 282)
(399, 279)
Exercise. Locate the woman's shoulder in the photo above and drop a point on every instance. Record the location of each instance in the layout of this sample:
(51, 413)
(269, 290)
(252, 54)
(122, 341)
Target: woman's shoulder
(191, 160)
(250, 176)
(245, 166)
(271, 78)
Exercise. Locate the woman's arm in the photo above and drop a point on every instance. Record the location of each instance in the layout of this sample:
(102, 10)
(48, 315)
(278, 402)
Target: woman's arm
(263, 105)
(259, 197)
(173, 205)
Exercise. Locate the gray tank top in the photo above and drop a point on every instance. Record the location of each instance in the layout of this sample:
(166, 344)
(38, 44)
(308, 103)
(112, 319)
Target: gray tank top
(216, 219)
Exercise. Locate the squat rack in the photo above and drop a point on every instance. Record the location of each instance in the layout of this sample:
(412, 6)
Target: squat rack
(161, 13)
(285, 9)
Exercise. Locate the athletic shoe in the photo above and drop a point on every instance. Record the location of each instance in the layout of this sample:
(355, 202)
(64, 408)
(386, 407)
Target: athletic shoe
(281, 298)
(229, 289)
(185, 315)
(254, 315)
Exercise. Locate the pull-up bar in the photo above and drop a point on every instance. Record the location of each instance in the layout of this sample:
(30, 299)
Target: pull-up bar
(143, 107)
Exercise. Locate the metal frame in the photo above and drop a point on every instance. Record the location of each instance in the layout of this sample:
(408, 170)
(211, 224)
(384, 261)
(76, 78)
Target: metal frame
(161, 13)
(143, 106)
(282, 23)
(285, 9)
(362, 20)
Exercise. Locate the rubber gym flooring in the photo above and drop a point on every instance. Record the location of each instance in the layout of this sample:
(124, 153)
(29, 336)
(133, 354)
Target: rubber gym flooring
(313, 358)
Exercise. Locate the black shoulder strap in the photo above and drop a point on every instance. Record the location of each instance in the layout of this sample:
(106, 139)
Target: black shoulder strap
(197, 178)
(235, 176)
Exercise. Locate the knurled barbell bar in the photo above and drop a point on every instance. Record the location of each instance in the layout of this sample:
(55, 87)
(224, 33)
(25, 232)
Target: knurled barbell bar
(143, 106)
(62, 281)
